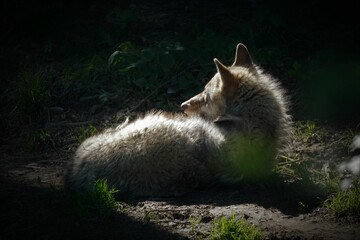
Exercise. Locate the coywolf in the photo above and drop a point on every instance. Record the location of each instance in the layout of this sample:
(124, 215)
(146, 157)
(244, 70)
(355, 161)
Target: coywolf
(162, 154)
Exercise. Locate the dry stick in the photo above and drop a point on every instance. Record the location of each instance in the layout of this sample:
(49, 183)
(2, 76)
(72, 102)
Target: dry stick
(290, 159)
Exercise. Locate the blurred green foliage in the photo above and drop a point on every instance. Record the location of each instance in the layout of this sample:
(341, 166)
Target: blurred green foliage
(253, 161)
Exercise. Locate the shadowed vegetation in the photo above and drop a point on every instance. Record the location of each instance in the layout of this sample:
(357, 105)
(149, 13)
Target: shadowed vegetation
(345, 203)
(97, 201)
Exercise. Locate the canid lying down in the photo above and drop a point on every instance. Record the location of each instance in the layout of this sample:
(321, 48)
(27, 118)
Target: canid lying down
(164, 154)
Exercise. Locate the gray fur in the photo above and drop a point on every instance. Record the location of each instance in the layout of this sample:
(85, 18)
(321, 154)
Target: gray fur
(153, 156)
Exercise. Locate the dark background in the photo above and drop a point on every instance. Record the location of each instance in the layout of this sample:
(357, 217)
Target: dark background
(312, 46)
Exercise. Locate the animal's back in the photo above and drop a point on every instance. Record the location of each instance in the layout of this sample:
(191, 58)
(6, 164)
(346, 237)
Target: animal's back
(156, 155)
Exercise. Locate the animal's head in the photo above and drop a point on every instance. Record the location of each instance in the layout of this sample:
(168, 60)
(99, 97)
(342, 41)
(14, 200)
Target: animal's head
(211, 103)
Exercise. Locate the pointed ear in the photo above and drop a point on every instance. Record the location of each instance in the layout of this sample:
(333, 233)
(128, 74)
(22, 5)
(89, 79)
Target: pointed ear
(242, 56)
(228, 83)
(223, 71)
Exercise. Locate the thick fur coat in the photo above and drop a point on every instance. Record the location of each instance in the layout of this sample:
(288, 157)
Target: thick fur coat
(240, 117)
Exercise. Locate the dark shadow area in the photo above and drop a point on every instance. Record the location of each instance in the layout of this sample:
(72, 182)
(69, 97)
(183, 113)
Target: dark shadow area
(291, 198)
(305, 44)
(36, 213)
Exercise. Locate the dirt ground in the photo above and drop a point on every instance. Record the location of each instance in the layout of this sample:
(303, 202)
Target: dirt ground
(32, 205)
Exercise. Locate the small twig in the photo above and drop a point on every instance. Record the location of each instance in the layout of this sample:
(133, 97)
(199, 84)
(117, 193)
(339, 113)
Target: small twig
(289, 159)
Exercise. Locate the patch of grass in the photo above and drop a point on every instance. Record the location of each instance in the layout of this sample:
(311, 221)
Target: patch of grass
(305, 130)
(151, 215)
(87, 78)
(98, 201)
(231, 228)
(194, 221)
(85, 132)
(31, 93)
(309, 130)
(296, 169)
(345, 203)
